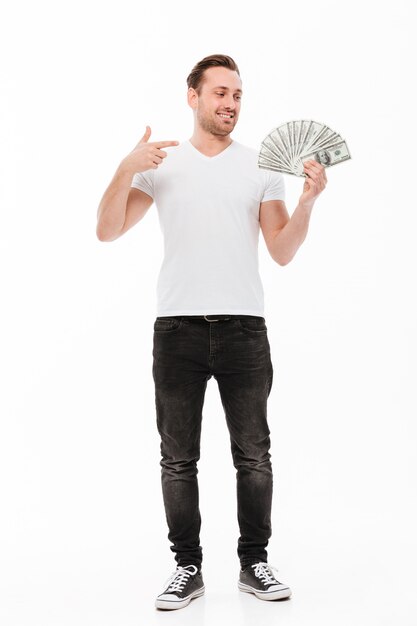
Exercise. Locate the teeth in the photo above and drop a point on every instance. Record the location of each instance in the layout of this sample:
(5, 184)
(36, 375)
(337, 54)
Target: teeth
(224, 115)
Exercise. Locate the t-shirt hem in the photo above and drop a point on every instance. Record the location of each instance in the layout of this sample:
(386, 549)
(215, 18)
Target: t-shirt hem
(142, 188)
(257, 312)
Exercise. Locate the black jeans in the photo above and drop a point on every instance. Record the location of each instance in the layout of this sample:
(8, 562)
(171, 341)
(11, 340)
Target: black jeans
(187, 352)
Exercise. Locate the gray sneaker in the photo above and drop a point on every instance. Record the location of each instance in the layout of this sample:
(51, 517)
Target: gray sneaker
(260, 580)
(184, 584)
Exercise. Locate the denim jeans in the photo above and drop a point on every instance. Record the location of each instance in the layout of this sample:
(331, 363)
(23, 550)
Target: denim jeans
(187, 352)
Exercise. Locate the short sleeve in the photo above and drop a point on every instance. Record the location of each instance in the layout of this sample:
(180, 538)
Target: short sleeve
(274, 186)
(144, 181)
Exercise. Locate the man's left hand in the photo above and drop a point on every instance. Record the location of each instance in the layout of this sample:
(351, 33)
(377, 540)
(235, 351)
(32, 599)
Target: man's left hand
(315, 182)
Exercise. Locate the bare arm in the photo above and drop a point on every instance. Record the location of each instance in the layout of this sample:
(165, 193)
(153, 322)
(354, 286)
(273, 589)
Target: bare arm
(122, 206)
(113, 209)
(284, 242)
(284, 235)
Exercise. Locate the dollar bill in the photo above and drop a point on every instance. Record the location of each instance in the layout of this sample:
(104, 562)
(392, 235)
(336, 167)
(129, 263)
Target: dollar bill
(326, 157)
(287, 147)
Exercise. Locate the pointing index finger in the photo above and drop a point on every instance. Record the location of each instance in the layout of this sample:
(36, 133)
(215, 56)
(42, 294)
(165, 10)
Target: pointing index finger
(165, 144)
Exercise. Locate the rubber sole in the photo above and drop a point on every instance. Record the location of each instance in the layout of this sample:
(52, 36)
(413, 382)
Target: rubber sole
(279, 594)
(179, 604)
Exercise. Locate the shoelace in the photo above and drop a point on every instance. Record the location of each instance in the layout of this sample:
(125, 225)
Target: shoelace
(178, 578)
(264, 572)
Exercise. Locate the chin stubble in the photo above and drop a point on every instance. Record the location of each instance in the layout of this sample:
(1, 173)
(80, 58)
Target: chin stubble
(214, 127)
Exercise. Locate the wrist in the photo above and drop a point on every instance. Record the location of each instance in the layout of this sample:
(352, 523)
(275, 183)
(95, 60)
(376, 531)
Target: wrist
(127, 167)
(306, 205)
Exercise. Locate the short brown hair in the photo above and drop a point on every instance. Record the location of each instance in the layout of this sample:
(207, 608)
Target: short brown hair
(196, 77)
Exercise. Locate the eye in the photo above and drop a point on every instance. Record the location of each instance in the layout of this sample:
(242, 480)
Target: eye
(238, 97)
(220, 94)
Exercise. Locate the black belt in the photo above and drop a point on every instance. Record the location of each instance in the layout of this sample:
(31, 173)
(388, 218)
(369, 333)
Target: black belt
(216, 318)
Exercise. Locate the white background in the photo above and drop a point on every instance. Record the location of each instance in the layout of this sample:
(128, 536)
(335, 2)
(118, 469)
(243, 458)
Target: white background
(83, 537)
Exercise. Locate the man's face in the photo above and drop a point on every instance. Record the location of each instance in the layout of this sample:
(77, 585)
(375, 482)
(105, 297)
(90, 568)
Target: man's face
(218, 105)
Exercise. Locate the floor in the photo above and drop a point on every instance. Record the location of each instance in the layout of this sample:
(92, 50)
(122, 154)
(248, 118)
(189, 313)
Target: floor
(361, 585)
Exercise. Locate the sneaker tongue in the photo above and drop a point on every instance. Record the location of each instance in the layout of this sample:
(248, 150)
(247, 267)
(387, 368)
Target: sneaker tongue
(193, 570)
(263, 571)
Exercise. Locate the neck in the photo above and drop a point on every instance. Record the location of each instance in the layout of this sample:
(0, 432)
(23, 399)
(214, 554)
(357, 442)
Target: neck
(208, 143)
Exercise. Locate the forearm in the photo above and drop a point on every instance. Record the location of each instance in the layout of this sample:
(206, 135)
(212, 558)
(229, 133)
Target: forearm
(287, 241)
(111, 212)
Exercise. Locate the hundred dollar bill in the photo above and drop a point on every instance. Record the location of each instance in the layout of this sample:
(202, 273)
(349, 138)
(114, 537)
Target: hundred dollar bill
(276, 151)
(326, 157)
(279, 144)
(273, 165)
(301, 130)
(279, 169)
(282, 134)
(327, 140)
(269, 153)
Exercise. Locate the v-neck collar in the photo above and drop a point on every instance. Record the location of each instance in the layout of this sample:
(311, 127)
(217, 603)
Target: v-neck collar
(210, 158)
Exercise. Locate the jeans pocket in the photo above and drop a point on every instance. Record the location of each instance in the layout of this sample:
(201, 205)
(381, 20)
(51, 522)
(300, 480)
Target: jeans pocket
(165, 325)
(253, 325)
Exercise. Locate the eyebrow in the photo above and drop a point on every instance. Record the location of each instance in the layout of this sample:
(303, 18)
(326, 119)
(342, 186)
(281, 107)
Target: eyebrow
(227, 88)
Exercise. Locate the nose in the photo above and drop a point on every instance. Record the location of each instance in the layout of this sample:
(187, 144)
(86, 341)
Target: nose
(230, 103)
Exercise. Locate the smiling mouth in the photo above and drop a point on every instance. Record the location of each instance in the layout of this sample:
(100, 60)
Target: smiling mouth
(225, 116)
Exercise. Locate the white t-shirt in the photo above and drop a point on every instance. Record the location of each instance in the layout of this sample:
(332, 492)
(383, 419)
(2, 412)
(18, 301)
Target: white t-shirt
(208, 209)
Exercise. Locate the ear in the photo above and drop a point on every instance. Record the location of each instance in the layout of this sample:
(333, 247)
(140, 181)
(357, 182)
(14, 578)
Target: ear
(192, 97)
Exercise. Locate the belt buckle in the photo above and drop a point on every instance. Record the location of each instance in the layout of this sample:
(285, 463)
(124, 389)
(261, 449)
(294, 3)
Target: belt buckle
(205, 317)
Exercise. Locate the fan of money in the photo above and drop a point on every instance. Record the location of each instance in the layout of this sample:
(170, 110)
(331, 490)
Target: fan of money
(286, 148)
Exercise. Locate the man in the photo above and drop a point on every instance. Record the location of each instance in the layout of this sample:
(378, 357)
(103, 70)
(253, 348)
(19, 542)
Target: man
(212, 198)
